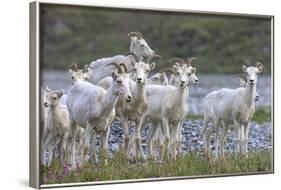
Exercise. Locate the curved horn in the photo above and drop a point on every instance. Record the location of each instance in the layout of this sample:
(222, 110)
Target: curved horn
(176, 59)
(259, 64)
(85, 69)
(154, 56)
(242, 76)
(168, 70)
(119, 69)
(73, 67)
(139, 35)
(190, 59)
(134, 55)
(124, 67)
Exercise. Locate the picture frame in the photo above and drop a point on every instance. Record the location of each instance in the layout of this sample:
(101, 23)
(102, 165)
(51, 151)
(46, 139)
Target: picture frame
(37, 79)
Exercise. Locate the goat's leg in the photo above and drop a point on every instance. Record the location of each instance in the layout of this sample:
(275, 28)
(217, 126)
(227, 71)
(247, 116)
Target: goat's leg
(238, 134)
(73, 140)
(165, 124)
(225, 128)
(140, 153)
(204, 135)
(139, 150)
(104, 144)
(150, 140)
(216, 127)
(179, 139)
(245, 141)
(174, 135)
(125, 132)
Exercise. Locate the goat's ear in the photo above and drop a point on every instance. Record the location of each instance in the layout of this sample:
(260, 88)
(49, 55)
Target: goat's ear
(60, 93)
(48, 89)
(243, 83)
(244, 67)
(259, 66)
(114, 75)
(152, 66)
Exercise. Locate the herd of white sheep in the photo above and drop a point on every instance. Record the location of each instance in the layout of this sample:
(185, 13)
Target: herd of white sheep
(121, 88)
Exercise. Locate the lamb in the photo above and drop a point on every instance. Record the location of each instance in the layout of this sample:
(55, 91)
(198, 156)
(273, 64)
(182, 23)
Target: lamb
(56, 131)
(227, 107)
(93, 108)
(166, 108)
(138, 48)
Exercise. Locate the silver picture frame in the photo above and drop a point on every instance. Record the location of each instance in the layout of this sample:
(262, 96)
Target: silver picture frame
(34, 93)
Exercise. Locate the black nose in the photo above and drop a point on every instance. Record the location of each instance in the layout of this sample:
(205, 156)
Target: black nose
(251, 81)
(182, 82)
(129, 97)
(196, 80)
(139, 79)
(45, 104)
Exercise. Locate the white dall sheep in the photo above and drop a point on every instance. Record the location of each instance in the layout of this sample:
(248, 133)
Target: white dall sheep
(174, 80)
(166, 108)
(93, 108)
(138, 48)
(228, 107)
(133, 111)
(56, 132)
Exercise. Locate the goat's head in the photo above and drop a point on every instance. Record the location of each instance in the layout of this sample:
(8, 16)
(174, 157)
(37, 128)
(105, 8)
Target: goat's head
(79, 74)
(52, 98)
(159, 78)
(141, 71)
(252, 72)
(139, 45)
(121, 81)
(243, 83)
(185, 72)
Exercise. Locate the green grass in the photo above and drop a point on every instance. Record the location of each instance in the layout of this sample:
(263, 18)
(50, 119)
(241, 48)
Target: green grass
(189, 165)
(262, 115)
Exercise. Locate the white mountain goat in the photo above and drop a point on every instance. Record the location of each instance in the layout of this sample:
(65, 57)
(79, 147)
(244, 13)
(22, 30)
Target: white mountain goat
(134, 110)
(178, 64)
(234, 107)
(159, 78)
(75, 75)
(138, 47)
(56, 132)
(166, 108)
(93, 108)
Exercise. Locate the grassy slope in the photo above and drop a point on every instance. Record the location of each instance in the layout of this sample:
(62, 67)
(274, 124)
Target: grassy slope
(189, 165)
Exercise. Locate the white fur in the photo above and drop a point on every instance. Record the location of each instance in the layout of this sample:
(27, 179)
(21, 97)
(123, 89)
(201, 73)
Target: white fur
(231, 107)
(92, 108)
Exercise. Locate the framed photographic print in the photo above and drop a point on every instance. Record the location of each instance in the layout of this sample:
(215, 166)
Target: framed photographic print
(127, 94)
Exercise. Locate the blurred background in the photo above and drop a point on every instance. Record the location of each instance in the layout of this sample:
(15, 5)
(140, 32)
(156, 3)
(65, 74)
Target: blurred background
(223, 43)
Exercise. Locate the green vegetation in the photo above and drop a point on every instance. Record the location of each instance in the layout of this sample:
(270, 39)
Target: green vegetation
(191, 164)
(262, 115)
(82, 34)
